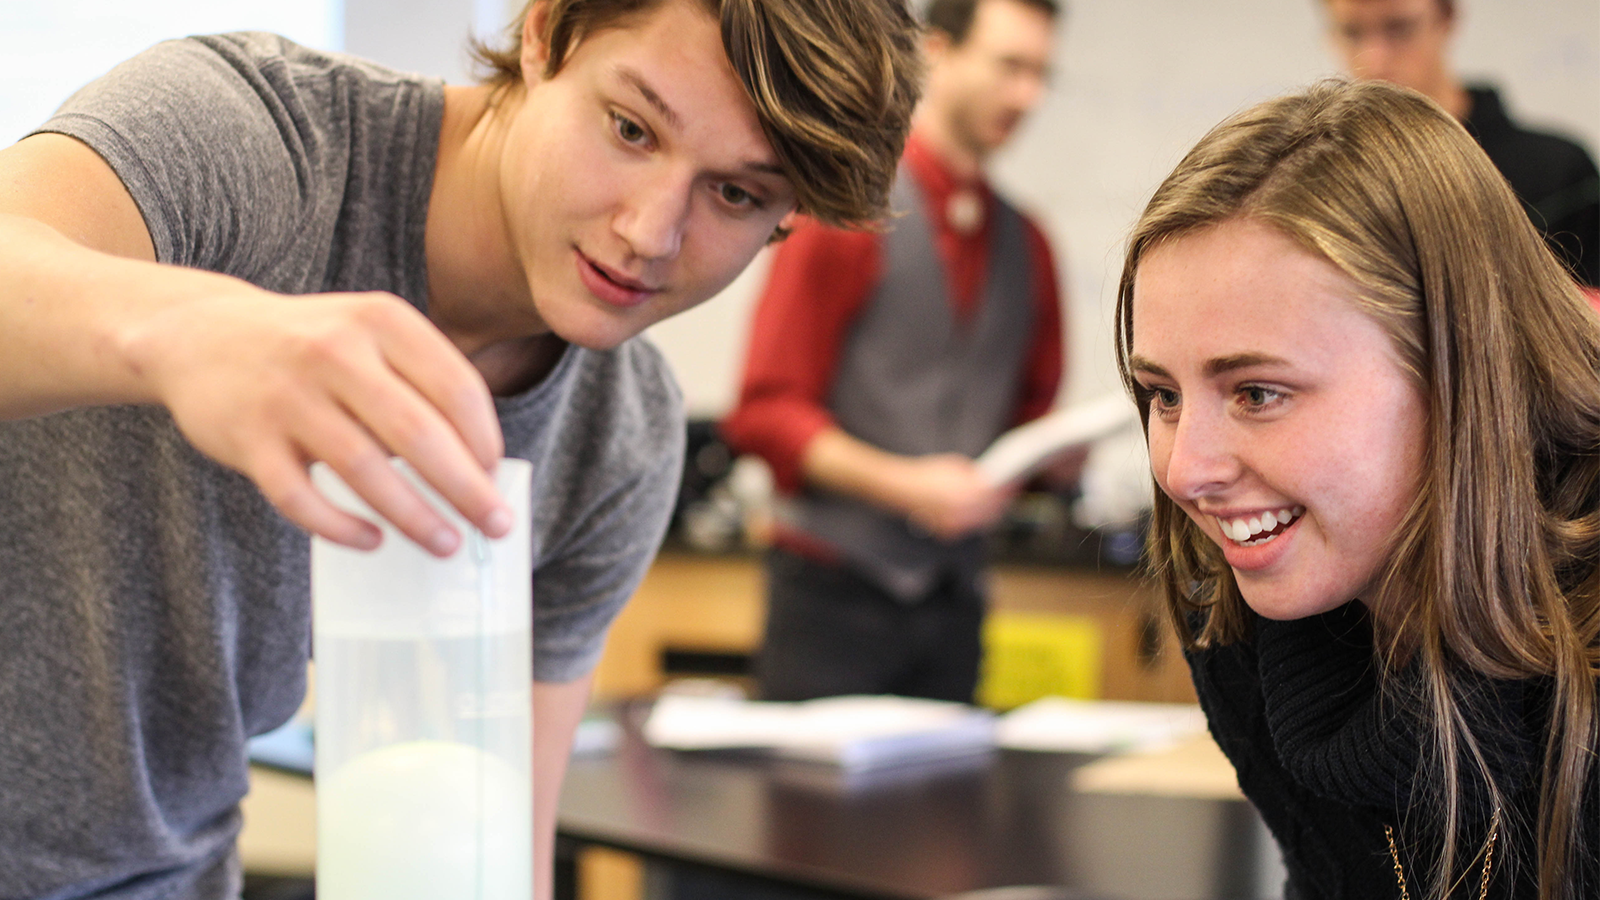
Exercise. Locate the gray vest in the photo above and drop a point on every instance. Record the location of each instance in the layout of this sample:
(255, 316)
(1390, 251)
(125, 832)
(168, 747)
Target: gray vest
(915, 378)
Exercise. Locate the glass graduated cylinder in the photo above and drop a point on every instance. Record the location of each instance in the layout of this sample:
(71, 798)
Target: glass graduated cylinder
(425, 794)
(423, 720)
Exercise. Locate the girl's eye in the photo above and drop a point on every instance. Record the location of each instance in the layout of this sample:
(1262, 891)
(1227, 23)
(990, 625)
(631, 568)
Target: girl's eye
(1256, 396)
(1164, 401)
(630, 131)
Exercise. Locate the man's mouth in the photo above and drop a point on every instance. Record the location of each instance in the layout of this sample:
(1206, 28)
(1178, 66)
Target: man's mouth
(619, 279)
(1259, 528)
(613, 287)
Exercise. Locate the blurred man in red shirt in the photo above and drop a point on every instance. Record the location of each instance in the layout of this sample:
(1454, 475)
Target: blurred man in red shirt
(881, 364)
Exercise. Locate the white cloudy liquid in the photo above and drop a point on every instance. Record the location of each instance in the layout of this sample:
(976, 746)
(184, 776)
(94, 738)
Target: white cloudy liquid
(423, 778)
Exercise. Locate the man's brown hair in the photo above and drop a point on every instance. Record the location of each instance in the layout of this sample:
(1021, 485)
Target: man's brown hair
(833, 82)
(954, 17)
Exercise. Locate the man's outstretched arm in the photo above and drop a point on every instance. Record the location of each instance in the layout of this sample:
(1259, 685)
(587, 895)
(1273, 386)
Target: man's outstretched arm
(263, 383)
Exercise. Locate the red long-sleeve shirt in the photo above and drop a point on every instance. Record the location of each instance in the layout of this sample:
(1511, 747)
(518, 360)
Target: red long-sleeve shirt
(820, 280)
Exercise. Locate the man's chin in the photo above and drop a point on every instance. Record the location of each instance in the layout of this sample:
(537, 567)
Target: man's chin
(993, 144)
(599, 341)
(593, 329)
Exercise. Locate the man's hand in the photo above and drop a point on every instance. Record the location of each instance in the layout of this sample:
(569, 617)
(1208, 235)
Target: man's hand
(946, 495)
(267, 384)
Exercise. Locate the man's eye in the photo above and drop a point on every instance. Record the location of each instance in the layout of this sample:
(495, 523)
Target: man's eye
(1400, 32)
(630, 131)
(734, 195)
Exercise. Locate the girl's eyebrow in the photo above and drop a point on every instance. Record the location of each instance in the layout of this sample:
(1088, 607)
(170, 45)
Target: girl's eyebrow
(1223, 364)
(1213, 367)
(1139, 364)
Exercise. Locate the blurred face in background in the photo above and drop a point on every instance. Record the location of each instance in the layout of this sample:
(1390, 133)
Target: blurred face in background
(982, 88)
(1404, 42)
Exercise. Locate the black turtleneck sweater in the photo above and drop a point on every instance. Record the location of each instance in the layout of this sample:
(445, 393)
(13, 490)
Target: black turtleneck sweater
(1329, 758)
(1554, 177)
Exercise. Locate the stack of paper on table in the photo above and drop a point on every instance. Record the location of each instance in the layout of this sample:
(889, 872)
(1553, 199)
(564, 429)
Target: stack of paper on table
(1157, 749)
(1195, 768)
(855, 733)
(1098, 726)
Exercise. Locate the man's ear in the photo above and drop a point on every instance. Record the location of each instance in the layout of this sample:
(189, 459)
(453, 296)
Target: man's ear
(535, 54)
(935, 44)
(785, 227)
(1451, 16)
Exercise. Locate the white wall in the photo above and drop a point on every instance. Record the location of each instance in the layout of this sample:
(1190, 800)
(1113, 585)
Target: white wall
(427, 36)
(50, 48)
(1137, 83)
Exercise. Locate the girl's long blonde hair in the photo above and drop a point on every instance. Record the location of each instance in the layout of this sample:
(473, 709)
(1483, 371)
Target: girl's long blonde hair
(1496, 567)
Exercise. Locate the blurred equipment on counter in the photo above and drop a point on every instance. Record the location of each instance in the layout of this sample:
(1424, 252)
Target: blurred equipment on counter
(724, 502)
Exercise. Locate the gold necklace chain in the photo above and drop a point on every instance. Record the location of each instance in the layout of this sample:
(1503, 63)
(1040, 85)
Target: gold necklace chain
(1488, 859)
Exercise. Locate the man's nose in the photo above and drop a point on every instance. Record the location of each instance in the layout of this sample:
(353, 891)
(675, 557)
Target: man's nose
(653, 215)
(1372, 57)
(1025, 90)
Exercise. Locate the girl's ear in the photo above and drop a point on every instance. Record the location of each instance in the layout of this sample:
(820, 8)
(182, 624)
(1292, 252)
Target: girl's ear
(535, 54)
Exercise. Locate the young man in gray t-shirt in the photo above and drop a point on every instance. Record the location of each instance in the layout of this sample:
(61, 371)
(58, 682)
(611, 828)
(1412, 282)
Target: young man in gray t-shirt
(232, 257)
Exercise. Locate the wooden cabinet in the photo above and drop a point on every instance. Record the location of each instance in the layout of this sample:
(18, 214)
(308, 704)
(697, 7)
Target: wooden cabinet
(686, 602)
(714, 604)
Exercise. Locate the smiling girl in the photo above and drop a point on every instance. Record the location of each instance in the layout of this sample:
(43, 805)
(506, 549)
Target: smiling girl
(1372, 401)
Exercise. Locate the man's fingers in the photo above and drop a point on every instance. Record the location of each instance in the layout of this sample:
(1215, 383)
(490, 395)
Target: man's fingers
(446, 464)
(375, 480)
(286, 485)
(332, 436)
(443, 421)
(431, 364)
(406, 425)
(957, 500)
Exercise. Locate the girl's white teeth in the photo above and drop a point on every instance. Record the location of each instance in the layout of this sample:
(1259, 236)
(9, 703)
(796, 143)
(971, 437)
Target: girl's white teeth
(1242, 530)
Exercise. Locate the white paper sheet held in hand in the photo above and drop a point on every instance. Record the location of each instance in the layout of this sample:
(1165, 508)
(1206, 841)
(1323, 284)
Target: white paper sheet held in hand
(1018, 452)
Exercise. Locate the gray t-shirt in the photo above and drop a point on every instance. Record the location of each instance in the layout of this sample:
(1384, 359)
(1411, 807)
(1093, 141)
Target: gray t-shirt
(154, 609)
